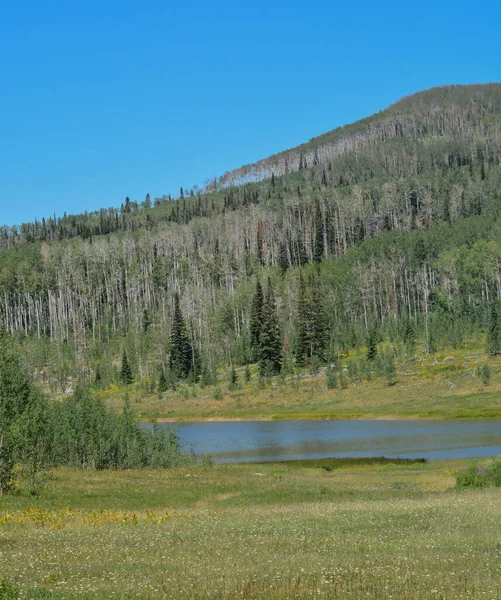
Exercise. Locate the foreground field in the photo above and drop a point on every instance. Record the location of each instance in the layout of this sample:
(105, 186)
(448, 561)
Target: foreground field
(439, 386)
(320, 529)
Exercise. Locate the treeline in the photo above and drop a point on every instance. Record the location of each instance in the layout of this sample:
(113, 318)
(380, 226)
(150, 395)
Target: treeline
(399, 226)
(36, 433)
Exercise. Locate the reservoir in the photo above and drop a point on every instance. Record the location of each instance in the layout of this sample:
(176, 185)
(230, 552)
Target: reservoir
(241, 441)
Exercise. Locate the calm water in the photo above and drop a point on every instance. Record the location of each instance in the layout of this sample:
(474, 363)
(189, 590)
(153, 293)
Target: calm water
(282, 440)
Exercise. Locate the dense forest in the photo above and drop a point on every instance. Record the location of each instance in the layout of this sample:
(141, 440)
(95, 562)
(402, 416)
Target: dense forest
(386, 229)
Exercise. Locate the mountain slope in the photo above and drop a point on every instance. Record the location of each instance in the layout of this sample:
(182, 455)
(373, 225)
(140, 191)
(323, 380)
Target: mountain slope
(392, 222)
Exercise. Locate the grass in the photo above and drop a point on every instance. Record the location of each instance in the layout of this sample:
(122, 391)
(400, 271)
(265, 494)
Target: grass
(439, 386)
(307, 529)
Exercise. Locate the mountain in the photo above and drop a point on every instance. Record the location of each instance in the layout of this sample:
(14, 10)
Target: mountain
(388, 227)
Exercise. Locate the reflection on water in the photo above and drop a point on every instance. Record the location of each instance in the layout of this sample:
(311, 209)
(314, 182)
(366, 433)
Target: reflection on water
(282, 440)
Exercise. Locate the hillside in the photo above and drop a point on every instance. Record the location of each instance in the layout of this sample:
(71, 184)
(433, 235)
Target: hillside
(385, 230)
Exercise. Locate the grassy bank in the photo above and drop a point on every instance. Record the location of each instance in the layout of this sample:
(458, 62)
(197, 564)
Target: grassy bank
(312, 529)
(440, 386)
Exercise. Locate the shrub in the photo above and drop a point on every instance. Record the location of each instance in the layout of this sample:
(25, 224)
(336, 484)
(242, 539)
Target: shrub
(478, 476)
(484, 373)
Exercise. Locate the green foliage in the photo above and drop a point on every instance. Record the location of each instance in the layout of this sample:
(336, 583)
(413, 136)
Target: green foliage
(494, 331)
(483, 372)
(478, 476)
(372, 342)
(181, 361)
(332, 379)
(233, 379)
(126, 372)
(311, 326)
(270, 347)
(256, 320)
(405, 224)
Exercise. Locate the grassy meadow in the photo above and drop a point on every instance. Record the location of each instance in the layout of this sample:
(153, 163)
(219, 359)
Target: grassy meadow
(440, 386)
(306, 529)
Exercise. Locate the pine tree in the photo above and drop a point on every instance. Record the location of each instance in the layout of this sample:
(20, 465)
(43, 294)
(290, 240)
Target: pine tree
(162, 382)
(181, 354)
(283, 258)
(409, 337)
(372, 344)
(270, 354)
(126, 372)
(311, 326)
(301, 347)
(233, 378)
(97, 378)
(256, 321)
(318, 248)
(494, 331)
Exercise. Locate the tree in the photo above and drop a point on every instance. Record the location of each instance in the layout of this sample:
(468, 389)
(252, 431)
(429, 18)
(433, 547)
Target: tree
(126, 372)
(409, 337)
(162, 382)
(311, 325)
(318, 248)
(270, 352)
(233, 378)
(494, 330)
(17, 393)
(181, 360)
(372, 341)
(256, 320)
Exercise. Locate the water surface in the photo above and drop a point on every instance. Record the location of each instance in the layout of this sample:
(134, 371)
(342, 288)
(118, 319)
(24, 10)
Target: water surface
(239, 441)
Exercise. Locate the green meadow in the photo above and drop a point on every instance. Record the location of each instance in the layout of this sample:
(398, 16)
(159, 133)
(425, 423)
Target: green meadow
(306, 529)
(444, 385)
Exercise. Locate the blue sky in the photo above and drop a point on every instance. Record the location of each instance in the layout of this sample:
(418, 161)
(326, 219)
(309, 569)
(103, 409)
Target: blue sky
(102, 100)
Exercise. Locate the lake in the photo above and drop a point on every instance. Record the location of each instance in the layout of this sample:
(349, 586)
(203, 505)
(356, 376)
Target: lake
(240, 441)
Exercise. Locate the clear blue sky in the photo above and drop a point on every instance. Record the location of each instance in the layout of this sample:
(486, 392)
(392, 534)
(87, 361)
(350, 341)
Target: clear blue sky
(102, 100)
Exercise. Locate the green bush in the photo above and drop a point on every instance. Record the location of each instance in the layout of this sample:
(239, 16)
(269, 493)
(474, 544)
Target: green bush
(484, 373)
(479, 476)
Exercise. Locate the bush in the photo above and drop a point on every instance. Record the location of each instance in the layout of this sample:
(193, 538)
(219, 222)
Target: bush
(478, 476)
(484, 373)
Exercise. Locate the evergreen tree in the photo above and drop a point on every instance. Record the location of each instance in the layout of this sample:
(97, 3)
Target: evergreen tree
(372, 344)
(256, 321)
(233, 378)
(126, 372)
(409, 337)
(301, 347)
(494, 331)
(318, 248)
(162, 382)
(311, 326)
(146, 321)
(270, 352)
(97, 378)
(283, 258)
(181, 358)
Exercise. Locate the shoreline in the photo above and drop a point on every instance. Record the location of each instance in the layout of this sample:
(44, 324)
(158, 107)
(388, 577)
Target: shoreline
(180, 420)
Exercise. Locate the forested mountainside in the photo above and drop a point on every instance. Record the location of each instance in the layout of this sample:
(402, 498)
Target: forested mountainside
(388, 228)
